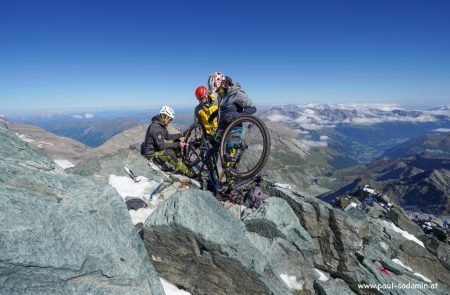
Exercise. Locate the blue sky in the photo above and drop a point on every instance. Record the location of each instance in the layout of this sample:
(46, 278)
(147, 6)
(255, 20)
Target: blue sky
(63, 54)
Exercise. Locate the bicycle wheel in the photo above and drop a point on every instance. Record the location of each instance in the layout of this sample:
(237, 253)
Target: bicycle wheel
(245, 147)
(193, 153)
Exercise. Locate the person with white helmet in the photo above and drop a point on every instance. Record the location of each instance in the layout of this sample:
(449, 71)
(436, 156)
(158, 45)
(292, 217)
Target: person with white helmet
(161, 145)
(233, 101)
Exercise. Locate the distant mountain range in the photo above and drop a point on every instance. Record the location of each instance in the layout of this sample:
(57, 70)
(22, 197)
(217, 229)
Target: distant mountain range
(416, 177)
(436, 142)
(95, 128)
(315, 148)
(362, 132)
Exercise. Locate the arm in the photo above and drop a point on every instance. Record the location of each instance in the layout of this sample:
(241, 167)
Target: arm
(161, 144)
(174, 136)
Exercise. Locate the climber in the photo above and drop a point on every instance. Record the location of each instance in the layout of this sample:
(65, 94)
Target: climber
(161, 146)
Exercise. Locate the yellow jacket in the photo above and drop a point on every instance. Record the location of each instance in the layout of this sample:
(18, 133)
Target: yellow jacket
(203, 115)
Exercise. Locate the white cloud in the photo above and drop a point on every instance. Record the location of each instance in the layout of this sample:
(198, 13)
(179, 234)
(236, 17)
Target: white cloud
(317, 116)
(85, 116)
(323, 137)
(442, 130)
(307, 144)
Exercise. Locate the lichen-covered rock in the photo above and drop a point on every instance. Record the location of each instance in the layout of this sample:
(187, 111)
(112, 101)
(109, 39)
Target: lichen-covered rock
(62, 233)
(197, 244)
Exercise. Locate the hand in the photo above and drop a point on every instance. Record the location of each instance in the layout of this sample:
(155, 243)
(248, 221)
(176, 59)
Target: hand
(183, 144)
(212, 97)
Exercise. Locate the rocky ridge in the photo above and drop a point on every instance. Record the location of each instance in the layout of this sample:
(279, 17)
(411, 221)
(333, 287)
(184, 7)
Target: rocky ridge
(294, 244)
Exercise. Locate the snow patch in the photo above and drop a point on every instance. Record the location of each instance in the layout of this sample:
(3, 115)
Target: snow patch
(368, 189)
(422, 277)
(322, 276)
(25, 137)
(350, 206)
(171, 289)
(397, 261)
(384, 246)
(291, 282)
(64, 163)
(125, 186)
(405, 234)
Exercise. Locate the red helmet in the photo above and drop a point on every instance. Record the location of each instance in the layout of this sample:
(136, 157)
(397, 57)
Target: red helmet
(201, 92)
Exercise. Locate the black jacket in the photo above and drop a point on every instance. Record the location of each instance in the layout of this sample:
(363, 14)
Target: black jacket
(156, 136)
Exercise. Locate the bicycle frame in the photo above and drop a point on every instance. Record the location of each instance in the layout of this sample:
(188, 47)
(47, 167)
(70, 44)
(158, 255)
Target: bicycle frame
(206, 151)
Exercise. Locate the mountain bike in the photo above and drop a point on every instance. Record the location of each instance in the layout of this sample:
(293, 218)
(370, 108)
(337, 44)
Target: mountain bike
(235, 156)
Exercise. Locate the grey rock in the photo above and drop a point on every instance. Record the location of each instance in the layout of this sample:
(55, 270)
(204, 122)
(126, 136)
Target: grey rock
(276, 231)
(401, 219)
(354, 246)
(198, 245)
(438, 248)
(331, 287)
(99, 169)
(62, 233)
(376, 211)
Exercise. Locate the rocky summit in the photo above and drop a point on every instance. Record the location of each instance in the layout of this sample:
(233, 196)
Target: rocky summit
(68, 232)
(64, 234)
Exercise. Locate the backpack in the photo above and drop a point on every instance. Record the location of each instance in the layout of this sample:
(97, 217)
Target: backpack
(255, 198)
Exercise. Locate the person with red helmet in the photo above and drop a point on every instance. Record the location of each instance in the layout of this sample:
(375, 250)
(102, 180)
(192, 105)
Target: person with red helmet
(206, 111)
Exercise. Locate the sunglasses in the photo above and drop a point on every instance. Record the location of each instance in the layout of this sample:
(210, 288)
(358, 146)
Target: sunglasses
(167, 118)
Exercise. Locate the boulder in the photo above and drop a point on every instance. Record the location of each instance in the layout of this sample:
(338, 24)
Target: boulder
(197, 244)
(276, 231)
(62, 233)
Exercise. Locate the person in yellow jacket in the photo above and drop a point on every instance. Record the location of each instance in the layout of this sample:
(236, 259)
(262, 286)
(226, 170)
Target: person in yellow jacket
(206, 112)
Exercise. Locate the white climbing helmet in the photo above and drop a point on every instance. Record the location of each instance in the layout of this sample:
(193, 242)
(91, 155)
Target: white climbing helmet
(168, 111)
(215, 80)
